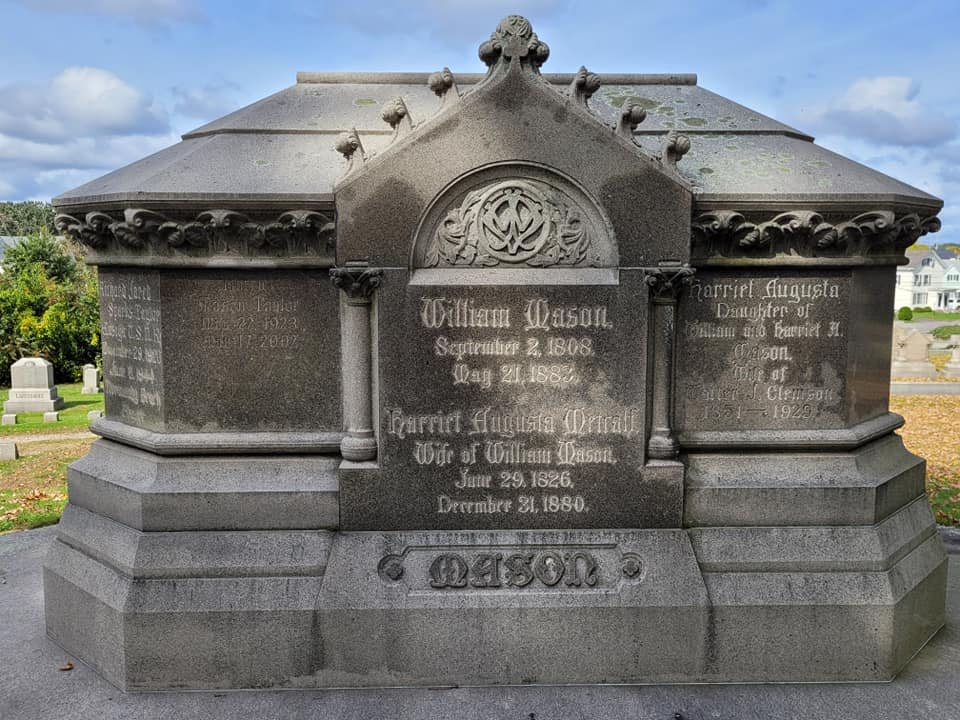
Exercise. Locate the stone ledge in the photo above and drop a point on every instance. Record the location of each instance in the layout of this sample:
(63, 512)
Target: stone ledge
(819, 440)
(218, 443)
(148, 492)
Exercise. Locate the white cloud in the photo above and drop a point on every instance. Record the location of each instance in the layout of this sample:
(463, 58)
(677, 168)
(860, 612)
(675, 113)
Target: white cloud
(884, 110)
(82, 123)
(79, 102)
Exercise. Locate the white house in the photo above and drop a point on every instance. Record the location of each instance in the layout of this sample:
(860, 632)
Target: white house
(931, 279)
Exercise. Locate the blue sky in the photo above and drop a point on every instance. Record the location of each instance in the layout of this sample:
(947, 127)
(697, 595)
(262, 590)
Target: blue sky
(87, 86)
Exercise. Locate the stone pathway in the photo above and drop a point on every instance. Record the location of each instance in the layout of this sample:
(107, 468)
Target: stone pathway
(42, 437)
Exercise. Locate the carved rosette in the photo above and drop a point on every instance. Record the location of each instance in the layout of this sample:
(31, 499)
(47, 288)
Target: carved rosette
(295, 233)
(358, 283)
(513, 223)
(806, 234)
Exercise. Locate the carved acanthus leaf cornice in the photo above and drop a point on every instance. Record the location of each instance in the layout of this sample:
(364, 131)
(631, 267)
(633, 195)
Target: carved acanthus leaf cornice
(294, 233)
(806, 234)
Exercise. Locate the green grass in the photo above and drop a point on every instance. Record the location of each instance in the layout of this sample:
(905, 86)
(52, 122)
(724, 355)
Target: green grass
(936, 315)
(33, 489)
(72, 417)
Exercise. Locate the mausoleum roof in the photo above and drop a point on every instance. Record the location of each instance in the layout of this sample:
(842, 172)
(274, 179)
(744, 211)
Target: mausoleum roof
(281, 150)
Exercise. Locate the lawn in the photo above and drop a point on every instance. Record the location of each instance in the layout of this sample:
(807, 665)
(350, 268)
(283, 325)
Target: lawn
(935, 315)
(33, 489)
(933, 432)
(73, 417)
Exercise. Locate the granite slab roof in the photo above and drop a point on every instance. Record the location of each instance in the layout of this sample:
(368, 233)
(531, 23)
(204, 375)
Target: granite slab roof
(281, 149)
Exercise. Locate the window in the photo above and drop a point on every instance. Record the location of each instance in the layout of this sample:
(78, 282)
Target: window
(926, 262)
(950, 278)
(919, 299)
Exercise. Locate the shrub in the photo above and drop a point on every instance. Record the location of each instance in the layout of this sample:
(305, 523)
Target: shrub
(925, 309)
(905, 314)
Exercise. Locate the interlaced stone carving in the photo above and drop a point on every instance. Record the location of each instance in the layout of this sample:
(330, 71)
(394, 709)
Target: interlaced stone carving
(218, 231)
(805, 233)
(513, 222)
(514, 39)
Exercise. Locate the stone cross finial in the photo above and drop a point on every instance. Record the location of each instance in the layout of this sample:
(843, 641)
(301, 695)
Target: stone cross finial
(630, 116)
(514, 39)
(585, 84)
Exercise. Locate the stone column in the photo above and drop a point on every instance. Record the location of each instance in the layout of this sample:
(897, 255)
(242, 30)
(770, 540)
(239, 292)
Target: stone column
(665, 284)
(357, 281)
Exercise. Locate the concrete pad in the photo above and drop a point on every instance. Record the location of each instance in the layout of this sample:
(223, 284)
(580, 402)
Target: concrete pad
(35, 688)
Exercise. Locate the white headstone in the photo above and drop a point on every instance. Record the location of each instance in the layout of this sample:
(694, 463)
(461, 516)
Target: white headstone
(32, 388)
(91, 380)
(8, 451)
(51, 417)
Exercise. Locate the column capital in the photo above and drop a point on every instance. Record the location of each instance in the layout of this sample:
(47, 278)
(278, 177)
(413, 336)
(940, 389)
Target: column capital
(357, 281)
(667, 281)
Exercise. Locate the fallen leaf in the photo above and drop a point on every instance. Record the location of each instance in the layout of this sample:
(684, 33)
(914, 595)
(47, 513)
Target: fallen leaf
(66, 667)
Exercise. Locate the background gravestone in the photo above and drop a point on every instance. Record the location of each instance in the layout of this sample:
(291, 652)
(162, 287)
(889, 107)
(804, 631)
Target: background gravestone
(911, 356)
(32, 388)
(91, 380)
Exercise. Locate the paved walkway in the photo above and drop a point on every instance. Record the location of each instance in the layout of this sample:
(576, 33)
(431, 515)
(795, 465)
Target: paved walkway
(31, 687)
(44, 437)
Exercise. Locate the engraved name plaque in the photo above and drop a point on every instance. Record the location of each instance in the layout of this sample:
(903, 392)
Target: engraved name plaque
(770, 351)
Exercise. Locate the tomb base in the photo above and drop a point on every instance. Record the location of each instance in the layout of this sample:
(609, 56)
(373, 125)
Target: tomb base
(228, 572)
(33, 400)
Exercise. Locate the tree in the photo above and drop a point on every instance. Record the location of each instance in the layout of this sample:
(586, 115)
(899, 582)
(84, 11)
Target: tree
(57, 260)
(26, 218)
(48, 308)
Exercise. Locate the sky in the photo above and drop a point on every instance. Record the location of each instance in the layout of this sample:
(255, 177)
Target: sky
(87, 86)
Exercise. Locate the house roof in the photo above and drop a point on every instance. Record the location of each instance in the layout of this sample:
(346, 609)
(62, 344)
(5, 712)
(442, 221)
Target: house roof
(281, 150)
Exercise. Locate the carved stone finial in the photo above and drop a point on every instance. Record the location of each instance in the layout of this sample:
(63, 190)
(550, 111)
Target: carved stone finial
(358, 282)
(514, 39)
(585, 84)
(675, 146)
(397, 116)
(441, 83)
(349, 145)
(630, 116)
